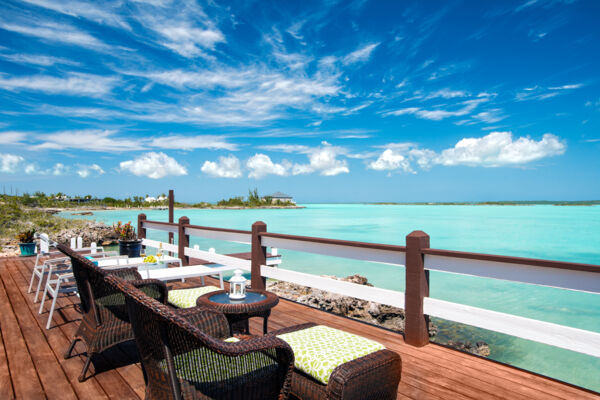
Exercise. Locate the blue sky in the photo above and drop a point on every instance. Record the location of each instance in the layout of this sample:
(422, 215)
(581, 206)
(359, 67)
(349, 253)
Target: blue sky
(327, 101)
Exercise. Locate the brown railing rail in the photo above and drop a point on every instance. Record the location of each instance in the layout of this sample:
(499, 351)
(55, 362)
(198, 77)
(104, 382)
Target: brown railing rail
(337, 242)
(514, 260)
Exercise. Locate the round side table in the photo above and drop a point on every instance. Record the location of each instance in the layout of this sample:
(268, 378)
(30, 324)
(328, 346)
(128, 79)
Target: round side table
(257, 303)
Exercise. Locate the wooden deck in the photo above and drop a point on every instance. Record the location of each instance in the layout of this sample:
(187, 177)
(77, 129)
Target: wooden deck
(32, 364)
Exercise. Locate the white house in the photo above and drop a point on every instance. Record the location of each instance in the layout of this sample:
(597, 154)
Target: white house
(282, 198)
(151, 199)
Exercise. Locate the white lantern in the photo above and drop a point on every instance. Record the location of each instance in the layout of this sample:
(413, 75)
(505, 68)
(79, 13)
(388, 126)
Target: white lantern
(237, 286)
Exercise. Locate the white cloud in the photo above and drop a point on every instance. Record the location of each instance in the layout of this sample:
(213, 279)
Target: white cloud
(153, 165)
(360, 55)
(90, 140)
(87, 170)
(287, 148)
(499, 149)
(324, 161)
(193, 142)
(183, 28)
(260, 165)
(436, 115)
(390, 160)
(225, 167)
(50, 31)
(543, 93)
(76, 84)
(490, 116)
(447, 94)
(88, 10)
(38, 59)
(32, 169)
(12, 137)
(567, 87)
(59, 169)
(10, 162)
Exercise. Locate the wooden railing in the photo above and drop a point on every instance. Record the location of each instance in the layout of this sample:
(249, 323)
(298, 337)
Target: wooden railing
(418, 259)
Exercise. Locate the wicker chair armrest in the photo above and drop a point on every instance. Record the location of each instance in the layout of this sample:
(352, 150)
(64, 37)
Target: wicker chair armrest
(209, 321)
(379, 371)
(128, 274)
(153, 288)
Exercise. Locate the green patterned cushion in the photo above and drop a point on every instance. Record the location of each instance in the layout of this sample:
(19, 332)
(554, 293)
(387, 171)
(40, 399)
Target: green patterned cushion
(186, 298)
(320, 349)
(205, 366)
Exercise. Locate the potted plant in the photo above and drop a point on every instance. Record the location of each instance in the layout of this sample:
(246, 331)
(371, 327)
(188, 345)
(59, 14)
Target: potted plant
(26, 243)
(129, 244)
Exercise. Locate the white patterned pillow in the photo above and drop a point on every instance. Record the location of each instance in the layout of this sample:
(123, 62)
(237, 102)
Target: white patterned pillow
(186, 298)
(320, 349)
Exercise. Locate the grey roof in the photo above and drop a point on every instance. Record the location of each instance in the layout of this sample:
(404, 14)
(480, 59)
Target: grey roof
(281, 195)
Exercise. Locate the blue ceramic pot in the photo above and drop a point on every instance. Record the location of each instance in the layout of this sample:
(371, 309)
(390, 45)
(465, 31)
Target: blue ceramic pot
(131, 248)
(27, 249)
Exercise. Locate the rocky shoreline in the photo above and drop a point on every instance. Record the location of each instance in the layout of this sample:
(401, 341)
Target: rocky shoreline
(90, 231)
(374, 313)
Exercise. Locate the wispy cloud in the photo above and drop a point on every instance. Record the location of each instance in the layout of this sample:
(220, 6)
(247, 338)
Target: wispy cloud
(89, 140)
(12, 137)
(465, 108)
(543, 93)
(105, 15)
(38, 59)
(182, 142)
(182, 27)
(75, 84)
(360, 55)
(53, 32)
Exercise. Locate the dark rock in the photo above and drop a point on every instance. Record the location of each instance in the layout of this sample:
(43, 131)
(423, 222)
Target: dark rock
(375, 313)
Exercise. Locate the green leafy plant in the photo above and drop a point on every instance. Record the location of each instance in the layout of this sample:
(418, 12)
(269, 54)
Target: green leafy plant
(26, 236)
(125, 231)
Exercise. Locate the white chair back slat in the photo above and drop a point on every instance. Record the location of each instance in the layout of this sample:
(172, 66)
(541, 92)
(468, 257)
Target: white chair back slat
(79, 242)
(93, 248)
(73, 243)
(44, 243)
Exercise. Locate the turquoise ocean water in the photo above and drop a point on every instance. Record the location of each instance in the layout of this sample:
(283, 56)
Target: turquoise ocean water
(549, 232)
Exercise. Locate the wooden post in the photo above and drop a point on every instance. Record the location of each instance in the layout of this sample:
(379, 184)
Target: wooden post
(171, 214)
(141, 231)
(416, 324)
(259, 256)
(184, 240)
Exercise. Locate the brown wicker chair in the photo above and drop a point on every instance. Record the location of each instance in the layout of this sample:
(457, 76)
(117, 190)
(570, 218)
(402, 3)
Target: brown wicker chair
(373, 377)
(105, 322)
(184, 355)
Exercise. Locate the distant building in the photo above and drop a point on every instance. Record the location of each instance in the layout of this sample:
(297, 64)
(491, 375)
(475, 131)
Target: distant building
(151, 199)
(282, 198)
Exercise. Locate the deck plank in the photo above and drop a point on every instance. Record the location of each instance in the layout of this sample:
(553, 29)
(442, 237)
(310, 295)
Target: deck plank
(23, 375)
(90, 388)
(6, 389)
(432, 372)
(55, 383)
(114, 377)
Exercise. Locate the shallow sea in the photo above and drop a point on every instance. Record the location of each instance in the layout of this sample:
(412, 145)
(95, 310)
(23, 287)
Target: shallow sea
(567, 233)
